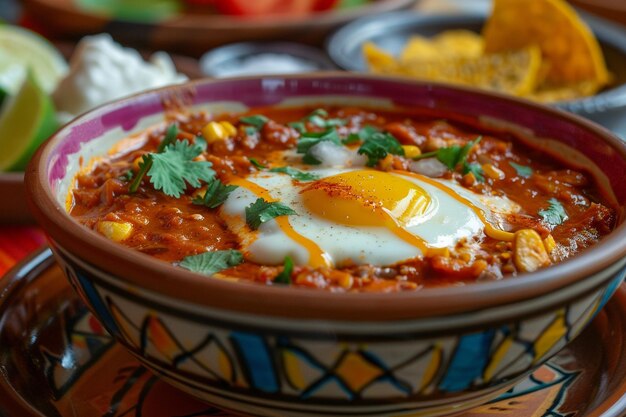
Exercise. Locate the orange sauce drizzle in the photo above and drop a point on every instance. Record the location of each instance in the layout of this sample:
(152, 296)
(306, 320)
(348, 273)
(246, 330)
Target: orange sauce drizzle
(489, 229)
(317, 257)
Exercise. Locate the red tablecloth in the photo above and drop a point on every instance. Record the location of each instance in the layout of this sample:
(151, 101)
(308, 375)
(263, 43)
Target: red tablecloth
(16, 242)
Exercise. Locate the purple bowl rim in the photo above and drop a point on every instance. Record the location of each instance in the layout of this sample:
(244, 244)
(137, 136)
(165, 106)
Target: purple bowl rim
(314, 303)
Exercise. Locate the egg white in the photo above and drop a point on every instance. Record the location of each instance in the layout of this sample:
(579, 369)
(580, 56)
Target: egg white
(445, 222)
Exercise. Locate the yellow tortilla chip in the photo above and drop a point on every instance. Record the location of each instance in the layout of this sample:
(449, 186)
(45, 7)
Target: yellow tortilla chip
(565, 41)
(448, 44)
(510, 72)
(378, 61)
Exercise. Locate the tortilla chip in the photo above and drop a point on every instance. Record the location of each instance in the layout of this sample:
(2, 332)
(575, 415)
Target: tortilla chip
(565, 41)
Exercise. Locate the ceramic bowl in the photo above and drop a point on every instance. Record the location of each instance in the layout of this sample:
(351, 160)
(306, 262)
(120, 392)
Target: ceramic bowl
(271, 351)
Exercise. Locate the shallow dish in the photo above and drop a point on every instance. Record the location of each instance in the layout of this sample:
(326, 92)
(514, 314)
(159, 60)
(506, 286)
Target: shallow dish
(268, 350)
(54, 324)
(194, 33)
(392, 30)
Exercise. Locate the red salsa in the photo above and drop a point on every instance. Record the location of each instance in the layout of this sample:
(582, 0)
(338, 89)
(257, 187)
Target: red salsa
(340, 198)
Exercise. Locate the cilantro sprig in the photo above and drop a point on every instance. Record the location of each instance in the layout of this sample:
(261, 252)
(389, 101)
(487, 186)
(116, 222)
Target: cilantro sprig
(285, 275)
(474, 169)
(377, 145)
(216, 193)
(455, 155)
(170, 137)
(255, 120)
(257, 164)
(555, 214)
(209, 263)
(174, 168)
(262, 211)
(522, 170)
(309, 139)
(319, 118)
(296, 174)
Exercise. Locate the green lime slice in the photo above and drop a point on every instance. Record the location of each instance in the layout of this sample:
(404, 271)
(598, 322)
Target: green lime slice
(26, 120)
(28, 50)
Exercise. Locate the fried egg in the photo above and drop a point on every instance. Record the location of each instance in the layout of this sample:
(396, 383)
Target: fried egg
(361, 216)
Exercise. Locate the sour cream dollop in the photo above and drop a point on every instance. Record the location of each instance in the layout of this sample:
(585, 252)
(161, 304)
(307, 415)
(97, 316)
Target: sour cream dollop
(102, 70)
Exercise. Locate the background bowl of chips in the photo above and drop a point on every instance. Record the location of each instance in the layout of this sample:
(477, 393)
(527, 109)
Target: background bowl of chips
(391, 32)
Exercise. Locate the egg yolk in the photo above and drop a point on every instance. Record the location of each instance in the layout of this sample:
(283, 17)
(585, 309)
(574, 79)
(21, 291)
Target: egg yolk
(370, 198)
(366, 198)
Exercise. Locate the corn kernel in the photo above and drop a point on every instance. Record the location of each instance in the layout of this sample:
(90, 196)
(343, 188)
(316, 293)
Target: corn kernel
(344, 280)
(549, 243)
(213, 131)
(529, 253)
(386, 164)
(136, 163)
(229, 128)
(468, 179)
(116, 231)
(493, 172)
(411, 151)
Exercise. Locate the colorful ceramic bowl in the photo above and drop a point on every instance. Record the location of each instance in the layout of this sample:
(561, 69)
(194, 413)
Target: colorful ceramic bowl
(272, 351)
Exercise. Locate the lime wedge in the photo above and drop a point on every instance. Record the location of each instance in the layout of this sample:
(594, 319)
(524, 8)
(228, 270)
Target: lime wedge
(26, 120)
(27, 50)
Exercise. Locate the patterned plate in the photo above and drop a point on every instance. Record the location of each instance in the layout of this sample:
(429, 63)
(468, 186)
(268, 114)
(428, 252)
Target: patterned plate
(56, 360)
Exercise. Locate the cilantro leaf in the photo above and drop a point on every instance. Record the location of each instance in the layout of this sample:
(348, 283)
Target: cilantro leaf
(251, 130)
(319, 118)
(262, 211)
(336, 122)
(318, 113)
(299, 126)
(451, 156)
(209, 263)
(376, 145)
(352, 138)
(256, 163)
(317, 121)
(367, 132)
(555, 214)
(465, 150)
(216, 193)
(256, 120)
(296, 174)
(201, 142)
(522, 170)
(285, 276)
(127, 176)
(309, 140)
(475, 169)
(175, 167)
(144, 166)
(170, 137)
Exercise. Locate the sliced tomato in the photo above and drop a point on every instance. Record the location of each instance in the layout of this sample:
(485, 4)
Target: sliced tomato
(267, 7)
